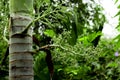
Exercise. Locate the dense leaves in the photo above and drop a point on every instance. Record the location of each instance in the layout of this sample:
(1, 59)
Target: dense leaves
(80, 62)
(3, 44)
(70, 30)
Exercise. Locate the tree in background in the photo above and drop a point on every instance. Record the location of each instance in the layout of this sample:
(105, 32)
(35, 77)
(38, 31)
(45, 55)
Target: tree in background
(76, 16)
(74, 22)
(20, 49)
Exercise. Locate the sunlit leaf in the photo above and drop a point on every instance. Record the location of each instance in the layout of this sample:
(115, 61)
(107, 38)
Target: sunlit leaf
(48, 1)
(59, 70)
(49, 33)
(112, 64)
(94, 35)
(117, 37)
(118, 7)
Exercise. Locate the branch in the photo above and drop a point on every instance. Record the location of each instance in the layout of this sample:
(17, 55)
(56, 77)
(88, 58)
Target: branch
(28, 26)
(53, 45)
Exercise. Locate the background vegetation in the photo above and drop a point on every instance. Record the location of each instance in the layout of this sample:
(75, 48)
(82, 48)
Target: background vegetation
(70, 31)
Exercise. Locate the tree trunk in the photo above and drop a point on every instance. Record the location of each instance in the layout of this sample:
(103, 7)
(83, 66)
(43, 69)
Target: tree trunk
(20, 49)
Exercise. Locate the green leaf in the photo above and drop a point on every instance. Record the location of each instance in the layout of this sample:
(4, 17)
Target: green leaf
(118, 7)
(116, 1)
(117, 14)
(112, 64)
(48, 1)
(117, 38)
(94, 35)
(85, 38)
(97, 65)
(71, 70)
(49, 33)
(60, 69)
(118, 28)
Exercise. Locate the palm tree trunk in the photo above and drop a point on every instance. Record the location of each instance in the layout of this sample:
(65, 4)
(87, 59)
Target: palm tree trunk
(20, 49)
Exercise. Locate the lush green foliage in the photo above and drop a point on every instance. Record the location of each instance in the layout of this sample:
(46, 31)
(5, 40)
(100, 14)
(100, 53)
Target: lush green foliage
(80, 62)
(117, 39)
(75, 16)
(3, 44)
(73, 33)
(73, 29)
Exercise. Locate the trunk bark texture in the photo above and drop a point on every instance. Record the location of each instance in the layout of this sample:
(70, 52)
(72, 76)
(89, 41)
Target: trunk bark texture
(20, 49)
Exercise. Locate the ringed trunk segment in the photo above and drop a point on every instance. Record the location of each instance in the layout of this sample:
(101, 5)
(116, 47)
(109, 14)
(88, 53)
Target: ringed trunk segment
(20, 60)
(20, 49)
